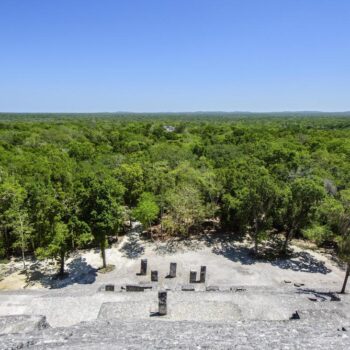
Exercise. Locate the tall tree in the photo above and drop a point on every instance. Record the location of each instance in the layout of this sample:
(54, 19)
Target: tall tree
(102, 208)
(147, 209)
(301, 198)
(59, 246)
(185, 209)
(338, 212)
(254, 201)
(159, 180)
(14, 214)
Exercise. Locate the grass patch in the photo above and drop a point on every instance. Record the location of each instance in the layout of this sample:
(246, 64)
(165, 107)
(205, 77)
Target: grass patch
(106, 269)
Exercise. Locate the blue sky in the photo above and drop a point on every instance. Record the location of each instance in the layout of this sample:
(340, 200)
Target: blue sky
(174, 55)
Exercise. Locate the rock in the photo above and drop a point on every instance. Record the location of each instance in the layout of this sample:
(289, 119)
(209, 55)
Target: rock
(335, 298)
(22, 323)
(295, 316)
(188, 288)
(212, 288)
(235, 289)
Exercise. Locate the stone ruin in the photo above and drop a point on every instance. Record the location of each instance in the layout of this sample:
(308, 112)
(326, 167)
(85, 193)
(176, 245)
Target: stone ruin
(212, 316)
(202, 275)
(162, 304)
(172, 273)
(154, 276)
(143, 269)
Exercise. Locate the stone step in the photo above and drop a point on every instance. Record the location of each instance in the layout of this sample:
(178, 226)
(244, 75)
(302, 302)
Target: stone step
(22, 323)
(141, 334)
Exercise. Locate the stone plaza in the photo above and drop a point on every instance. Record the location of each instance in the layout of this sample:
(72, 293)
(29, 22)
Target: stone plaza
(195, 297)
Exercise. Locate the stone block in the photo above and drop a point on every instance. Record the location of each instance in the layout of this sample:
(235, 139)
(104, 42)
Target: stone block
(109, 288)
(154, 276)
(202, 274)
(143, 270)
(193, 276)
(172, 273)
(162, 303)
(187, 288)
(212, 289)
(137, 287)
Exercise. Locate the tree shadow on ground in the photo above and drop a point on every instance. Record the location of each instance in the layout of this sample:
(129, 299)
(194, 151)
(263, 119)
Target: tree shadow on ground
(319, 296)
(269, 253)
(216, 237)
(175, 245)
(132, 248)
(77, 271)
(195, 242)
(169, 247)
(303, 262)
(235, 253)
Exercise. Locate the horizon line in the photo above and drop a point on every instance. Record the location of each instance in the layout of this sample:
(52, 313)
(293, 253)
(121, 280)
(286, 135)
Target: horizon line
(182, 112)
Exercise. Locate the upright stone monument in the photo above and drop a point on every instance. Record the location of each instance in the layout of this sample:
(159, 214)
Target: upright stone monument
(202, 274)
(143, 270)
(172, 273)
(162, 306)
(154, 276)
(193, 276)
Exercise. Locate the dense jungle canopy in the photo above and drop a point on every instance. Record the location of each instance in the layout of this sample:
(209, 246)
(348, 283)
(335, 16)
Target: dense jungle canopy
(71, 181)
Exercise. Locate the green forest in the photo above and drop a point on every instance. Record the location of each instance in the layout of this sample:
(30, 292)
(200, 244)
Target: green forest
(70, 182)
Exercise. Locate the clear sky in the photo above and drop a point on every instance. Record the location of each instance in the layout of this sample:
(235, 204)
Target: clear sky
(174, 55)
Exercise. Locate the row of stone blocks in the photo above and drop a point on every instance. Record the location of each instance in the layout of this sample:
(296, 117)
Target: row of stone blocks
(184, 288)
(162, 296)
(128, 288)
(202, 274)
(172, 273)
(154, 274)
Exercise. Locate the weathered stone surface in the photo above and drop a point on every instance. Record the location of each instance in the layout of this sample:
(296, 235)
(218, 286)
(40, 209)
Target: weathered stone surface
(160, 334)
(255, 319)
(22, 323)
